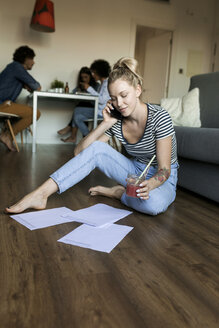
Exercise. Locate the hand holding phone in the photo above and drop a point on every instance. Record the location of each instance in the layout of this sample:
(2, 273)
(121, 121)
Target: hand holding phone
(115, 113)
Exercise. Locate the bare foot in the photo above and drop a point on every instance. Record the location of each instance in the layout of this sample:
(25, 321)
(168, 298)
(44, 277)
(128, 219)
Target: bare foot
(33, 200)
(64, 131)
(7, 141)
(37, 199)
(69, 139)
(113, 192)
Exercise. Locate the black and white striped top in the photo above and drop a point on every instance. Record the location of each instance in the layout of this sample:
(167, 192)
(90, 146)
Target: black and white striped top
(159, 125)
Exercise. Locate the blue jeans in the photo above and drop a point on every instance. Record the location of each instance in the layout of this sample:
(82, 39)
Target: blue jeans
(80, 115)
(116, 166)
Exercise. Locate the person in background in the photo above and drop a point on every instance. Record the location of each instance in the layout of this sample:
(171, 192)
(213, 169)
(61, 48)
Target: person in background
(100, 70)
(12, 80)
(84, 76)
(144, 130)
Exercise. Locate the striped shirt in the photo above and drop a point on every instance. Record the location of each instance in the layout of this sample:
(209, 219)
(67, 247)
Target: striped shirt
(159, 126)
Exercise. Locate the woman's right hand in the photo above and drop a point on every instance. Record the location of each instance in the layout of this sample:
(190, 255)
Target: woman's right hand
(84, 86)
(107, 113)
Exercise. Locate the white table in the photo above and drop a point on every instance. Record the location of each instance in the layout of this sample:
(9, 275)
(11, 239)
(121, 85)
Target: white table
(46, 94)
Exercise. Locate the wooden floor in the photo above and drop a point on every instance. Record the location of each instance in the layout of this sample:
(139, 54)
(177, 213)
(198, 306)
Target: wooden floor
(163, 274)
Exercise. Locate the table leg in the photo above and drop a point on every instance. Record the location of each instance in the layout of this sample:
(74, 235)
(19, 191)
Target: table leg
(34, 122)
(95, 113)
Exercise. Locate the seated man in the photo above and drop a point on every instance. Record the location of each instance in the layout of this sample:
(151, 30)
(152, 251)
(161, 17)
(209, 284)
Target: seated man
(12, 79)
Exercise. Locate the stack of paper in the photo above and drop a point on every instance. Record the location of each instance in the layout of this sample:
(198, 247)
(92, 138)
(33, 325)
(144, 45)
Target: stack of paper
(43, 219)
(97, 215)
(98, 231)
(102, 239)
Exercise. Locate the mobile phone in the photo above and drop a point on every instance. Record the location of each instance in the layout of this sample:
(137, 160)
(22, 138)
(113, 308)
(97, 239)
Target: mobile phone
(115, 113)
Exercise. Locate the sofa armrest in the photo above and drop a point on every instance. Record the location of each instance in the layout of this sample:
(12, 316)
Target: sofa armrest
(201, 144)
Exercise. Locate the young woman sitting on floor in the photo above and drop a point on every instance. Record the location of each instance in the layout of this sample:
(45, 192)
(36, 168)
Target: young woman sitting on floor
(143, 129)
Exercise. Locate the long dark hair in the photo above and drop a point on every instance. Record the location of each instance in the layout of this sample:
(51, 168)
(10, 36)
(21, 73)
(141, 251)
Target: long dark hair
(86, 70)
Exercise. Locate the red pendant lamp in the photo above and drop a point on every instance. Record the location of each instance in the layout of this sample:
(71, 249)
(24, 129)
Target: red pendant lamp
(43, 16)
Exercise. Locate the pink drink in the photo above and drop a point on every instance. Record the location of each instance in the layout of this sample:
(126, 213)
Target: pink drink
(131, 190)
(133, 183)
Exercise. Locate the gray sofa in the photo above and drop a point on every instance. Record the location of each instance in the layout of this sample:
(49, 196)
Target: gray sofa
(198, 148)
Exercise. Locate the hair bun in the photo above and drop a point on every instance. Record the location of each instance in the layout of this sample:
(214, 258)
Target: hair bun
(127, 62)
(119, 65)
(127, 66)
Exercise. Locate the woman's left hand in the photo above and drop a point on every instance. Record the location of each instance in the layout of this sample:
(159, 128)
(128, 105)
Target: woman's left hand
(144, 189)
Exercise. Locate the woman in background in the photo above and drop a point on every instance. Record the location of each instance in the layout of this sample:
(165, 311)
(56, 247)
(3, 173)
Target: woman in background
(84, 76)
(100, 70)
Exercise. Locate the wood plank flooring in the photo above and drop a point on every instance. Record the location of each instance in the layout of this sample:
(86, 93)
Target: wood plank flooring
(163, 274)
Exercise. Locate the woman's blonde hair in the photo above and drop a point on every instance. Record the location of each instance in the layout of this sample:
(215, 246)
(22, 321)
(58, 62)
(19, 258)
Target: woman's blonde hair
(126, 68)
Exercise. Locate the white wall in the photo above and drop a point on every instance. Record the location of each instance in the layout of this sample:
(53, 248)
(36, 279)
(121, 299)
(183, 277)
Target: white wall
(194, 29)
(88, 30)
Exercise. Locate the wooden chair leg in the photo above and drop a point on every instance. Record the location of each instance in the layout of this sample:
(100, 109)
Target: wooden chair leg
(12, 134)
(30, 130)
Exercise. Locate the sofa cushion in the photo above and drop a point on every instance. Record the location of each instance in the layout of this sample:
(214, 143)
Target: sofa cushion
(200, 144)
(185, 111)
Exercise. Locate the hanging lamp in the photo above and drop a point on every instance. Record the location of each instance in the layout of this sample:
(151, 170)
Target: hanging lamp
(43, 16)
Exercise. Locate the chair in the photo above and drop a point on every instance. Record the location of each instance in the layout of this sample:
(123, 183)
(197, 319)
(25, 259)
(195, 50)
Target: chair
(7, 117)
(91, 120)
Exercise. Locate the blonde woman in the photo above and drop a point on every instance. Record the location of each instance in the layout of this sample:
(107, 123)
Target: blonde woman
(143, 129)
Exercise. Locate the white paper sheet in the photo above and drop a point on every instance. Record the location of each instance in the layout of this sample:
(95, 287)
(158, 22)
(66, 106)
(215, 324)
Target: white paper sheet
(98, 215)
(45, 218)
(102, 239)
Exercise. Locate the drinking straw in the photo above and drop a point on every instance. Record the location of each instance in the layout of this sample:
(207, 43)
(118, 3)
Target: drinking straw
(145, 170)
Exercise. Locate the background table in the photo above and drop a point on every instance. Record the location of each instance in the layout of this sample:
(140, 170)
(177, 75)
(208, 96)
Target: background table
(46, 94)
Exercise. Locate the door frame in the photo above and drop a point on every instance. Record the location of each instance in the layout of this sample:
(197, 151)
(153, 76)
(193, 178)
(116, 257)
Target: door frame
(157, 25)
